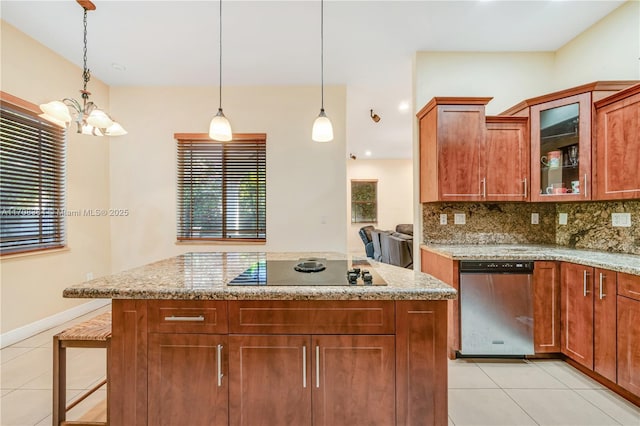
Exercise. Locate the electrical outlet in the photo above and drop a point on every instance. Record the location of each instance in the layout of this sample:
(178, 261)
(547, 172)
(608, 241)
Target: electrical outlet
(459, 219)
(535, 218)
(443, 219)
(562, 218)
(89, 276)
(621, 219)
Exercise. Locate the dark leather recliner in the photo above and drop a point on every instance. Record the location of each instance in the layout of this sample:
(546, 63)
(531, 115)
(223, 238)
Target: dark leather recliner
(365, 235)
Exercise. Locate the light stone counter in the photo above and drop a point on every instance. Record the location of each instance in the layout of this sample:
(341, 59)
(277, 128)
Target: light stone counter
(627, 263)
(204, 276)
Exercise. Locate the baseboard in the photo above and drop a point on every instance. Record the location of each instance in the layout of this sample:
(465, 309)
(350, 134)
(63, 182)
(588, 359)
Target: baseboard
(26, 331)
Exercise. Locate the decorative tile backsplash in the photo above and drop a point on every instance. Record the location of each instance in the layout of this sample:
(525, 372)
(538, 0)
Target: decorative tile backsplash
(588, 224)
(489, 223)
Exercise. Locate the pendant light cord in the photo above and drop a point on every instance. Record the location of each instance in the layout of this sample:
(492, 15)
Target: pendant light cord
(220, 51)
(322, 53)
(86, 74)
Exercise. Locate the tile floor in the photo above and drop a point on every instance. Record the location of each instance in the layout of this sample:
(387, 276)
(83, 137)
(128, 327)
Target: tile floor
(481, 392)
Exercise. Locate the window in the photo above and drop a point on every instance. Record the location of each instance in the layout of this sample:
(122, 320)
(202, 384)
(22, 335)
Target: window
(32, 175)
(364, 201)
(222, 188)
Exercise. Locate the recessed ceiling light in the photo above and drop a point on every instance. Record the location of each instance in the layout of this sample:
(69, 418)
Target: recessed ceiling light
(404, 106)
(367, 153)
(118, 67)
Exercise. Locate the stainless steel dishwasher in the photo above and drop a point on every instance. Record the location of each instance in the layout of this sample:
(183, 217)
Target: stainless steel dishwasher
(496, 308)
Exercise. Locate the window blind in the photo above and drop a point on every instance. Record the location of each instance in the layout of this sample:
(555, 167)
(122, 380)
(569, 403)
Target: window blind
(32, 179)
(222, 188)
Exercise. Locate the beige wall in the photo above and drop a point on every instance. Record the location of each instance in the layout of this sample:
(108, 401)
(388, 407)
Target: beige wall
(509, 77)
(32, 284)
(306, 195)
(395, 195)
(608, 50)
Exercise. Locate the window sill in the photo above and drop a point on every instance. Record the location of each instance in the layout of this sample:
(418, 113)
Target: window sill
(43, 252)
(220, 243)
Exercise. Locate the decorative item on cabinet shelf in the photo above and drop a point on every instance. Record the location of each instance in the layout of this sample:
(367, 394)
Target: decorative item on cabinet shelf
(553, 159)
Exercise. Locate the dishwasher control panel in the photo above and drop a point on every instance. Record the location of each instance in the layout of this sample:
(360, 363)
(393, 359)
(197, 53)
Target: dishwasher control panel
(496, 266)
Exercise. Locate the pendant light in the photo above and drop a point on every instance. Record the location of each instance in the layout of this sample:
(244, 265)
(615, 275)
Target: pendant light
(322, 129)
(220, 128)
(90, 119)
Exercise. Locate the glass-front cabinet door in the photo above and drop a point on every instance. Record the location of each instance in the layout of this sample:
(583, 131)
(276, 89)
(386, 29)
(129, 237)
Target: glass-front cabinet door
(561, 149)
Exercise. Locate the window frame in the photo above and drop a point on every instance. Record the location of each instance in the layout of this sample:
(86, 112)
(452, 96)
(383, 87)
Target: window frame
(354, 202)
(60, 146)
(238, 138)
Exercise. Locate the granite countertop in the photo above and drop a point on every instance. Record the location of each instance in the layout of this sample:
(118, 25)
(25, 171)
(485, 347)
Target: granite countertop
(204, 276)
(627, 263)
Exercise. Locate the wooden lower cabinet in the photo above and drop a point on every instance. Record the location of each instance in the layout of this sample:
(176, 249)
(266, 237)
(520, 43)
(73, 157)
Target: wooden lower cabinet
(270, 380)
(546, 307)
(577, 313)
(629, 332)
(604, 324)
(629, 344)
(353, 380)
(326, 374)
(188, 383)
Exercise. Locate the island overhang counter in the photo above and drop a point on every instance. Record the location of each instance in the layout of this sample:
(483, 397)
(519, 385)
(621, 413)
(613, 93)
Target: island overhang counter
(188, 349)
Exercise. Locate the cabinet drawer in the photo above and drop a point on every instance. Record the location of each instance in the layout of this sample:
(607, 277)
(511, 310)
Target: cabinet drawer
(187, 316)
(312, 317)
(629, 285)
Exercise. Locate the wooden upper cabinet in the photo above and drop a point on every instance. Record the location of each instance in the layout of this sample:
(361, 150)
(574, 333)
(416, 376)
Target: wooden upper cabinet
(617, 148)
(506, 154)
(561, 149)
(452, 137)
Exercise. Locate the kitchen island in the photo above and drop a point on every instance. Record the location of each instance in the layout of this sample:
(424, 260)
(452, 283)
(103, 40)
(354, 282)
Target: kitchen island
(190, 348)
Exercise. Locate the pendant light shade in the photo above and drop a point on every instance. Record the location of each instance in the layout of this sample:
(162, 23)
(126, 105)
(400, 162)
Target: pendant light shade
(322, 129)
(220, 128)
(90, 120)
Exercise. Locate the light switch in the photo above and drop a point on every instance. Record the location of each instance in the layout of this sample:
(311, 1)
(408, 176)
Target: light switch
(621, 219)
(459, 219)
(443, 219)
(535, 218)
(562, 218)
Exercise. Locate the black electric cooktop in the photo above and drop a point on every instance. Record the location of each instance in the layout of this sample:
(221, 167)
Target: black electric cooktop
(309, 272)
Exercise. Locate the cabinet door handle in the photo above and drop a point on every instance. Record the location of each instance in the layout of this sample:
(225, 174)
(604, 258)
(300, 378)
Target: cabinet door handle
(199, 318)
(585, 186)
(317, 366)
(484, 188)
(584, 282)
(220, 365)
(526, 189)
(602, 295)
(304, 366)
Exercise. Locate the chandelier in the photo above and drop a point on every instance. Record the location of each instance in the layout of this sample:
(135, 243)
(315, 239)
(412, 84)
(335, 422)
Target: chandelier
(90, 119)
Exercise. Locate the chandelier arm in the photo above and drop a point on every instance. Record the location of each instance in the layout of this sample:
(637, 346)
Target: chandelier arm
(70, 102)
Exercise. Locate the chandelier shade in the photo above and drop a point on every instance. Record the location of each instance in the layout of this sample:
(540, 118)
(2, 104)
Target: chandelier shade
(220, 128)
(322, 129)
